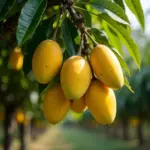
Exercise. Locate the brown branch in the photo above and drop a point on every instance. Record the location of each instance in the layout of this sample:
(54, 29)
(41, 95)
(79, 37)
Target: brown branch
(53, 3)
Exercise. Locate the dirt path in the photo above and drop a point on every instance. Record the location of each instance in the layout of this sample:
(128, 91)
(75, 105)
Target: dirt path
(48, 141)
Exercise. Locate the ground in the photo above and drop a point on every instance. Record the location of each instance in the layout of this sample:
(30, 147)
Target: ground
(57, 138)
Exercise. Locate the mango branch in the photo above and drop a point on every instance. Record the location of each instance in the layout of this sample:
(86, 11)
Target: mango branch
(77, 19)
(85, 51)
(52, 3)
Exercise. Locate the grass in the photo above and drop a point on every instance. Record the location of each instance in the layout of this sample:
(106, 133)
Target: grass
(83, 140)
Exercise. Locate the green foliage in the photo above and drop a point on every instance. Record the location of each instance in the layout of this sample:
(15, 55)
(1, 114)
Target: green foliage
(120, 3)
(136, 104)
(5, 7)
(107, 6)
(69, 33)
(30, 17)
(136, 8)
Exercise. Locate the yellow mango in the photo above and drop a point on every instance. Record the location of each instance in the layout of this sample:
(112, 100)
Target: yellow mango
(106, 67)
(78, 106)
(16, 59)
(55, 105)
(46, 61)
(101, 102)
(20, 116)
(75, 77)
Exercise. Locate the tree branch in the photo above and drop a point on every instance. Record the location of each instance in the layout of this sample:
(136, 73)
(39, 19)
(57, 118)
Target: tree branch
(53, 3)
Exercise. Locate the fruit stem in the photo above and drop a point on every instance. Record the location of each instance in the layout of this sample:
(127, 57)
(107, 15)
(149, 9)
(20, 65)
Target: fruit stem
(81, 44)
(94, 42)
(93, 76)
(86, 53)
(58, 22)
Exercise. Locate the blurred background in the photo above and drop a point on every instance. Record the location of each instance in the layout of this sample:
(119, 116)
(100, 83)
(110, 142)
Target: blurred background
(22, 123)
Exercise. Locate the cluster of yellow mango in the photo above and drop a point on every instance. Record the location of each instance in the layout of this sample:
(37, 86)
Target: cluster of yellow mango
(77, 89)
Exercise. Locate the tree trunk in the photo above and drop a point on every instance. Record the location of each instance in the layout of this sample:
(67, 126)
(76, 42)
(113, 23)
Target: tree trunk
(7, 127)
(140, 133)
(22, 136)
(125, 129)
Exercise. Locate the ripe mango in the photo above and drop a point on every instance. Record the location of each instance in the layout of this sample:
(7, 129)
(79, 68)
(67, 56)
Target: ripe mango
(46, 61)
(55, 105)
(101, 102)
(78, 106)
(75, 77)
(16, 59)
(106, 67)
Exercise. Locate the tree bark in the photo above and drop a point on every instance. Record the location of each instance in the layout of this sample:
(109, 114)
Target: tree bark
(125, 129)
(7, 128)
(140, 133)
(22, 136)
(115, 131)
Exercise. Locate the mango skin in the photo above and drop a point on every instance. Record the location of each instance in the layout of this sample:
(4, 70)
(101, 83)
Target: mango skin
(16, 59)
(75, 77)
(101, 102)
(55, 105)
(46, 61)
(106, 67)
(78, 106)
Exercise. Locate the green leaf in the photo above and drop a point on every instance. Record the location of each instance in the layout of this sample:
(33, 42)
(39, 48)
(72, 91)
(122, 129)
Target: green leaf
(136, 9)
(121, 60)
(29, 19)
(2, 3)
(100, 36)
(5, 7)
(45, 31)
(124, 35)
(120, 3)
(44, 87)
(114, 40)
(126, 82)
(16, 7)
(87, 19)
(68, 33)
(107, 5)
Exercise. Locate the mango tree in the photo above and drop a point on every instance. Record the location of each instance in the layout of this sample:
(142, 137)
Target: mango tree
(69, 42)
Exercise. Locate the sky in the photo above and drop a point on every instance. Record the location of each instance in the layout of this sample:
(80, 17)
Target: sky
(134, 22)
